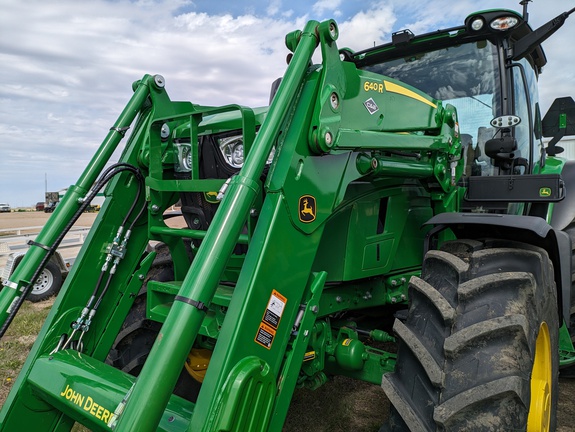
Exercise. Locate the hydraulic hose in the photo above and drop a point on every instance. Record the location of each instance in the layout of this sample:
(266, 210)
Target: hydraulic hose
(104, 179)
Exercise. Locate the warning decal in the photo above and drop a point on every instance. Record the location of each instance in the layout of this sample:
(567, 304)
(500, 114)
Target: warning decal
(271, 320)
(265, 336)
(275, 309)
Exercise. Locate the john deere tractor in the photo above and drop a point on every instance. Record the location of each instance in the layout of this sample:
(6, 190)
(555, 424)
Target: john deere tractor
(393, 216)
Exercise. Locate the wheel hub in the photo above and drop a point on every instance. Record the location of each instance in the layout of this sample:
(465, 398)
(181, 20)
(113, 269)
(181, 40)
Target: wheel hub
(43, 283)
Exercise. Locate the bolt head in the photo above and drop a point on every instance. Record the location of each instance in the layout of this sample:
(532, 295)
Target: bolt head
(333, 31)
(159, 81)
(165, 131)
(334, 100)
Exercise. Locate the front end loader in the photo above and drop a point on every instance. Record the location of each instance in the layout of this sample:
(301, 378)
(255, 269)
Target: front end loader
(393, 216)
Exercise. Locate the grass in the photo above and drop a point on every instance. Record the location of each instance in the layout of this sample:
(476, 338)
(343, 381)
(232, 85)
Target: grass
(341, 405)
(19, 338)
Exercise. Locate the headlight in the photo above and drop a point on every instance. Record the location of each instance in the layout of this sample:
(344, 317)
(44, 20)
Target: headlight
(504, 23)
(477, 24)
(232, 149)
(183, 161)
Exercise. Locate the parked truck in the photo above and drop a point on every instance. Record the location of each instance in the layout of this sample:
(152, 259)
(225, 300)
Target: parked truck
(392, 216)
(52, 200)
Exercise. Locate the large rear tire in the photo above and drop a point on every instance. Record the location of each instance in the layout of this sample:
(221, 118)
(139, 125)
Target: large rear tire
(570, 230)
(569, 371)
(479, 348)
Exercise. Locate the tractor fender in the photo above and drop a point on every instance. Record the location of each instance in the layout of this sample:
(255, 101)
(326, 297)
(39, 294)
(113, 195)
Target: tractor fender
(527, 229)
(564, 211)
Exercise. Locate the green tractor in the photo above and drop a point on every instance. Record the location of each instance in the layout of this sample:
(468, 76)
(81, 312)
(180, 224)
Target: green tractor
(393, 216)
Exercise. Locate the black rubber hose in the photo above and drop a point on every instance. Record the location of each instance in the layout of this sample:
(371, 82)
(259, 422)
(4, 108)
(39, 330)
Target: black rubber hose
(104, 178)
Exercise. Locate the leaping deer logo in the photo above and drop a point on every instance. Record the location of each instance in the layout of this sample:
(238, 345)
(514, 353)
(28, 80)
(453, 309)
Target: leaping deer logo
(307, 208)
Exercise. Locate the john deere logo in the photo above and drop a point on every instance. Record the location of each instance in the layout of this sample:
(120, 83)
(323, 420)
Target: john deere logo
(545, 192)
(307, 209)
(211, 197)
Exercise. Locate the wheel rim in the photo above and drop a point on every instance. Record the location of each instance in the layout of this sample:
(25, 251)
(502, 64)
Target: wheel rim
(540, 407)
(43, 283)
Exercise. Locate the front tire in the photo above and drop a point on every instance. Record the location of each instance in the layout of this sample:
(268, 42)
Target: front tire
(479, 348)
(138, 333)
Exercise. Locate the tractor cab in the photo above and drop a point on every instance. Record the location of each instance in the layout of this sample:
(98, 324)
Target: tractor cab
(488, 69)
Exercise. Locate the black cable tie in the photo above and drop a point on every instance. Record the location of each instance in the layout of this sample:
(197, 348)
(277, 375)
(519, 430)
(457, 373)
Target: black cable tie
(40, 245)
(120, 130)
(197, 304)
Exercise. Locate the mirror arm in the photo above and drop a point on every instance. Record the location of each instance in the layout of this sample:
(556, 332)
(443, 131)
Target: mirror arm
(527, 44)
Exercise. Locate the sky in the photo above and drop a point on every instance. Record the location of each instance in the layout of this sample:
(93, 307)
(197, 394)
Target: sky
(67, 66)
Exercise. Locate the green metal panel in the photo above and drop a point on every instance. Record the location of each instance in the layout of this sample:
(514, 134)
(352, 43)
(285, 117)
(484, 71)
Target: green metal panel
(89, 392)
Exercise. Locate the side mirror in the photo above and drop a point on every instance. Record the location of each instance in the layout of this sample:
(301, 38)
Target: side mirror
(559, 122)
(501, 149)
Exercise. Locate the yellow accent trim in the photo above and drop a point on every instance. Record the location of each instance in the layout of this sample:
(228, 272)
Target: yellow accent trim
(395, 88)
(539, 419)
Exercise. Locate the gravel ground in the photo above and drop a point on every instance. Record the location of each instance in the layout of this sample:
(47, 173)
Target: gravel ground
(566, 409)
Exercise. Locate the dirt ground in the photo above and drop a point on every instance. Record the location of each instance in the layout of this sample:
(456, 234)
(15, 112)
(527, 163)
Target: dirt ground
(566, 408)
(36, 219)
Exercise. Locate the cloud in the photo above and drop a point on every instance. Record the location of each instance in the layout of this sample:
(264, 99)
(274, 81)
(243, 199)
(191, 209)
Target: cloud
(321, 7)
(274, 7)
(67, 66)
(367, 27)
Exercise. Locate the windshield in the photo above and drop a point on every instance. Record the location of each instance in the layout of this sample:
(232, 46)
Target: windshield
(465, 76)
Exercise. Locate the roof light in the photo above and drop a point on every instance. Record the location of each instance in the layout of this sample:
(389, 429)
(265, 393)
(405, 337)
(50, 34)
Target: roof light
(504, 23)
(477, 24)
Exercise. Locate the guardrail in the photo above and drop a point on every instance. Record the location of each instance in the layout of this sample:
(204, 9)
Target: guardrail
(18, 231)
(17, 242)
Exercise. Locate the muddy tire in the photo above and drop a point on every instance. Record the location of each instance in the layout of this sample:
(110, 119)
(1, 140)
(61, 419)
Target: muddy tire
(479, 348)
(138, 334)
(48, 283)
(570, 230)
(569, 371)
